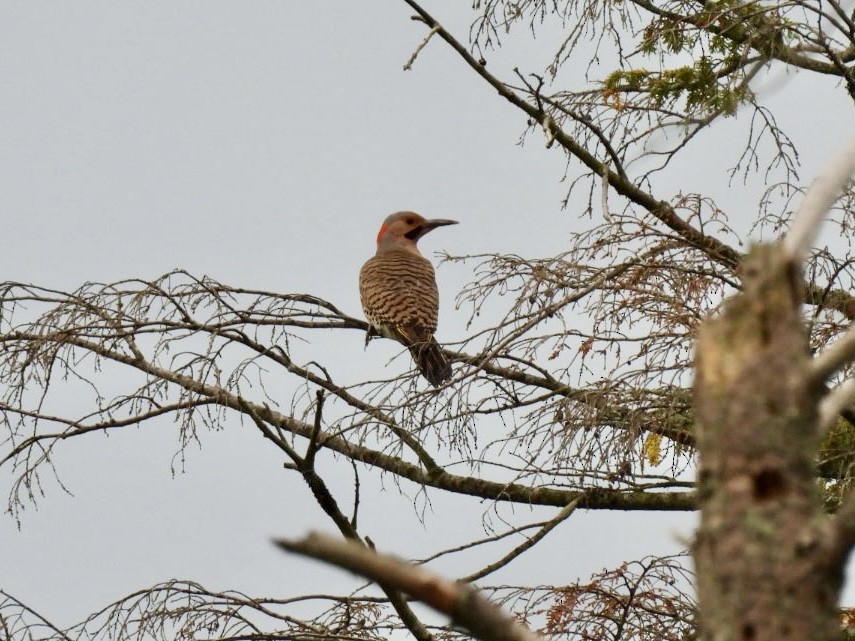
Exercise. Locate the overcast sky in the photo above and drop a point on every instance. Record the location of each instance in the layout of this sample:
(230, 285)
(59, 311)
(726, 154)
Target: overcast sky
(262, 144)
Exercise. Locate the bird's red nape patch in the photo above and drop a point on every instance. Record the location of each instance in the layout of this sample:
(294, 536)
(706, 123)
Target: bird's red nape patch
(382, 231)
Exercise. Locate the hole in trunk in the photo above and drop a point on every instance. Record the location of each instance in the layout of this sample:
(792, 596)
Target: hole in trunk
(768, 484)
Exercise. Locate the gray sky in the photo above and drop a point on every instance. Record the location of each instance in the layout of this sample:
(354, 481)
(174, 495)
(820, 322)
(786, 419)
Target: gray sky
(261, 144)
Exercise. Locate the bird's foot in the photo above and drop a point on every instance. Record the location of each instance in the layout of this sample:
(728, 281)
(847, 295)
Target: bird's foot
(371, 333)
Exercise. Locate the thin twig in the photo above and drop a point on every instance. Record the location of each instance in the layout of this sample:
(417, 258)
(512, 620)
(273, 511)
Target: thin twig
(418, 50)
(562, 515)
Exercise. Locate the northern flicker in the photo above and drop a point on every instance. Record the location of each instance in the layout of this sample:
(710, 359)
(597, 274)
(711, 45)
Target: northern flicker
(399, 295)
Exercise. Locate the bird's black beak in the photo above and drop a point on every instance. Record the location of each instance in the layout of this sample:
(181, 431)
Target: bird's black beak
(428, 225)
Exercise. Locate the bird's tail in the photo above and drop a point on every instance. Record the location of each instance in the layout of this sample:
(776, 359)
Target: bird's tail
(431, 361)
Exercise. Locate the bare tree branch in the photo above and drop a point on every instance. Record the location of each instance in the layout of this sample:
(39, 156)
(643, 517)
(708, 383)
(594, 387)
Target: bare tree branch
(458, 601)
(823, 192)
(658, 208)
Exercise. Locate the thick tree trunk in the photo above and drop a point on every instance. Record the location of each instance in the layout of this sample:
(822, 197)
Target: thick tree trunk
(762, 570)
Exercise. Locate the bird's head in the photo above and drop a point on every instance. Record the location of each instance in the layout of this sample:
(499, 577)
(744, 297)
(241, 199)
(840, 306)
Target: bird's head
(403, 229)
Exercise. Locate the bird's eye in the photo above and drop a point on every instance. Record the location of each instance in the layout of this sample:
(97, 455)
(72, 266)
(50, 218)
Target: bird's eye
(409, 220)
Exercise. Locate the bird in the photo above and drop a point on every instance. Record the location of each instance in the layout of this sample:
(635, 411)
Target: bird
(397, 287)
